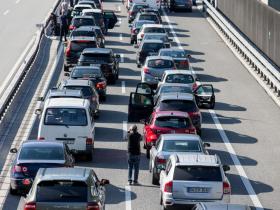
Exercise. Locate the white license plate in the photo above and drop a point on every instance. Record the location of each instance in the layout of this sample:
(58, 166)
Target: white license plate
(68, 142)
(198, 189)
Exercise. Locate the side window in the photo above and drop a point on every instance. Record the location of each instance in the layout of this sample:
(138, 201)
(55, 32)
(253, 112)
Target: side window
(150, 119)
(158, 143)
(168, 167)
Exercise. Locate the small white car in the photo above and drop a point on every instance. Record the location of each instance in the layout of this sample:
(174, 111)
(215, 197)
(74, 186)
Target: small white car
(150, 28)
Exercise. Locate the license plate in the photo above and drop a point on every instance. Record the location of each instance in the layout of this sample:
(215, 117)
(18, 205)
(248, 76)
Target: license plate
(198, 189)
(68, 142)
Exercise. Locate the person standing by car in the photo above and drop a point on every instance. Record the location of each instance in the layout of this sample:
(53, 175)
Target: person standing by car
(134, 152)
(63, 26)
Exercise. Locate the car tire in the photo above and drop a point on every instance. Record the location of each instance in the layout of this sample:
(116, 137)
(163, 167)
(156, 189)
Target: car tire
(13, 191)
(155, 181)
(148, 153)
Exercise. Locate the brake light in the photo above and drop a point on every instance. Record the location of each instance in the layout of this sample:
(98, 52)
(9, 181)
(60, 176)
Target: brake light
(89, 141)
(226, 188)
(160, 160)
(146, 70)
(26, 182)
(151, 136)
(194, 86)
(142, 35)
(101, 85)
(71, 27)
(30, 206)
(19, 169)
(68, 50)
(40, 138)
(93, 206)
(168, 187)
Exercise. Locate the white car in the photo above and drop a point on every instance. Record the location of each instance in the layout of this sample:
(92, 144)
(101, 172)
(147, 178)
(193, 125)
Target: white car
(191, 178)
(156, 4)
(68, 120)
(150, 28)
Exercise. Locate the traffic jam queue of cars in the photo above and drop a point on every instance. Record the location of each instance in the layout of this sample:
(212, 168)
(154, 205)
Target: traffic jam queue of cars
(167, 101)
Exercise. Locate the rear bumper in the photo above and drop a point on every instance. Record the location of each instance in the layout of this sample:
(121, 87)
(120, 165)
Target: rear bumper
(17, 184)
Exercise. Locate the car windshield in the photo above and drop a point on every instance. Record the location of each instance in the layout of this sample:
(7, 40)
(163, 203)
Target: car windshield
(198, 173)
(172, 122)
(82, 33)
(41, 153)
(178, 105)
(85, 73)
(173, 54)
(148, 17)
(181, 146)
(154, 47)
(160, 63)
(98, 57)
(179, 78)
(154, 30)
(77, 22)
(62, 191)
(161, 37)
(86, 90)
(66, 116)
(79, 46)
(175, 89)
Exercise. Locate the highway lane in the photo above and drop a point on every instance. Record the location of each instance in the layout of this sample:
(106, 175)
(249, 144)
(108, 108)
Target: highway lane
(18, 19)
(247, 114)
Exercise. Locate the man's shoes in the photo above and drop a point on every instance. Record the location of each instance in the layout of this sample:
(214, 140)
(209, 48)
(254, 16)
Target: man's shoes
(135, 183)
(129, 182)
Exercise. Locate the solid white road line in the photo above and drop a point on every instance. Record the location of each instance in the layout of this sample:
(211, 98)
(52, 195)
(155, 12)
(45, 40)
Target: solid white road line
(250, 190)
(6, 12)
(119, 8)
(122, 57)
(127, 197)
(124, 130)
(17, 1)
(123, 87)
(121, 37)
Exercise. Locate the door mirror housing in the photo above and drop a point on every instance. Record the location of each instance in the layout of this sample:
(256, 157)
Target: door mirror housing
(226, 168)
(40, 98)
(38, 111)
(104, 182)
(13, 150)
(206, 144)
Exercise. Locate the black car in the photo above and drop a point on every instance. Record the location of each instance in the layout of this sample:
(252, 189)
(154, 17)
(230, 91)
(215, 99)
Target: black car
(33, 155)
(180, 4)
(92, 73)
(136, 7)
(74, 48)
(148, 48)
(103, 57)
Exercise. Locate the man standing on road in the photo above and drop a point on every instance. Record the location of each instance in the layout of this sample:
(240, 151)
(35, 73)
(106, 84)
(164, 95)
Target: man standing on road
(134, 152)
(63, 26)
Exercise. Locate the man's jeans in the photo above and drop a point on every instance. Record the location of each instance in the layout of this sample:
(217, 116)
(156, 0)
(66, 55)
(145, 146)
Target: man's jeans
(133, 163)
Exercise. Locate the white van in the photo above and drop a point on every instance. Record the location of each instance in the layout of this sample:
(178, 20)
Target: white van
(68, 120)
(156, 4)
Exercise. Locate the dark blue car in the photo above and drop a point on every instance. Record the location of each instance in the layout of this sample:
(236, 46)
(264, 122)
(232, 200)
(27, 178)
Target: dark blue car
(33, 155)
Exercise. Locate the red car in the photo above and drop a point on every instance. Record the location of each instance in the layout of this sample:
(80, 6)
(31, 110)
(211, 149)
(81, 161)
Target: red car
(162, 122)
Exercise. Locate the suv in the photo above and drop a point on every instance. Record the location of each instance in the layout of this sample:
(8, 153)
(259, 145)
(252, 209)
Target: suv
(192, 178)
(103, 57)
(62, 188)
(97, 14)
(74, 48)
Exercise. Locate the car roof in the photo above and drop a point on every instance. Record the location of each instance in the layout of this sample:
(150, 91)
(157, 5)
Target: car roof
(83, 17)
(65, 93)
(158, 34)
(171, 113)
(152, 41)
(41, 143)
(153, 25)
(175, 96)
(147, 13)
(82, 5)
(197, 159)
(67, 102)
(159, 57)
(168, 72)
(175, 85)
(92, 10)
(140, 3)
(97, 50)
(184, 137)
(223, 206)
(76, 82)
(84, 28)
(73, 174)
(82, 38)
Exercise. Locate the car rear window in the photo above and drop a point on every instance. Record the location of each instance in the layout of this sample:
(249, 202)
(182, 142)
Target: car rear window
(179, 78)
(178, 105)
(66, 116)
(148, 17)
(98, 57)
(85, 73)
(198, 173)
(86, 90)
(181, 146)
(157, 37)
(83, 33)
(174, 54)
(154, 30)
(152, 46)
(172, 122)
(175, 89)
(79, 46)
(160, 63)
(41, 153)
(77, 22)
(62, 191)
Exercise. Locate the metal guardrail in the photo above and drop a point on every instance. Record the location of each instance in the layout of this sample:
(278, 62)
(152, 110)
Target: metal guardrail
(258, 62)
(9, 91)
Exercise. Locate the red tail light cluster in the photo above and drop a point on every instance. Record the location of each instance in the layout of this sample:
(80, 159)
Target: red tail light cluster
(68, 50)
(146, 70)
(19, 169)
(89, 141)
(93, 206)
(160, 160)
(71, 27)
(151, 136)
(41, 138)
(191, 131)
(101, 85)
(168, 187)
(226, 188)
(30, 206)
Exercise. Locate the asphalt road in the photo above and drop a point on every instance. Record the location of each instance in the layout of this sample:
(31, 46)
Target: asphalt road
(18, 19)
(246, 116)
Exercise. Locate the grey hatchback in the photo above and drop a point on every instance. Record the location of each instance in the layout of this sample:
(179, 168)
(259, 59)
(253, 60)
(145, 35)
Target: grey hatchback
(66, 189)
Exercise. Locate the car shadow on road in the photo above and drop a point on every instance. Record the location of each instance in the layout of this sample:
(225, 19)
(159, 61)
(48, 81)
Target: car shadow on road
(226, 158)
(106, 134)
(129, 72)
(113, 99)
(229, 107)
(210, 78)
(207, 119)
(115, 194)
(131, 82)
(117, 34)
(115, 43)
(196, 60)
(112, 116)
(212, 135)
(195, 14)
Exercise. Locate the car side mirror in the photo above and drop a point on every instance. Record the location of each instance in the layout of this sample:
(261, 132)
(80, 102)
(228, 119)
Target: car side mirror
(206, 144)
(66, 74)
(226, 168)
(38, 111)
(197, 79)
(13, 150)
(40, 98)
(104, 182)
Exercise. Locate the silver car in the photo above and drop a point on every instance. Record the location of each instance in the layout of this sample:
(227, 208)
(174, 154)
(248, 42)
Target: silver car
(154, 68)
(66, 189)
(192, 178)
(168, 144)
(219, 206)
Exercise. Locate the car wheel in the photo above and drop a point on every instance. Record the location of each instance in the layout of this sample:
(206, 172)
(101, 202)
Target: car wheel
(148, 153)
(155, 181)
(13, 191)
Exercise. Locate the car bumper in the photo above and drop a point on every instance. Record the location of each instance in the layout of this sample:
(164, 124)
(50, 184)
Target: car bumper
(17, 184)
(101, 92)
(182, 6)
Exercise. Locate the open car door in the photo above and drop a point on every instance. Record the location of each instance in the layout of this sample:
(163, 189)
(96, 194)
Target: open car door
(111, 18)
(141, 103)
(204, 95)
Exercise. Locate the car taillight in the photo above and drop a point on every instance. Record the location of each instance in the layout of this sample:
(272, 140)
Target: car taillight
(89, 141)
(146, 70)
(191, 131)
(168, 187)
(194, 86)
(93, 206)
(142, 35)
(71, 27)
(30, 206)
(26, 182)
(160, 160)
(151, 136)
(68, 51)
(19, 169)
(226, 188)
(40, 138)
(101, 85)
